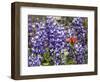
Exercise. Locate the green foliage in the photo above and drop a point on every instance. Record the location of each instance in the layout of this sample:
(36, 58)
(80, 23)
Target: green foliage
(70, 60)
(72, 44)
(46, 58)
(85, 23)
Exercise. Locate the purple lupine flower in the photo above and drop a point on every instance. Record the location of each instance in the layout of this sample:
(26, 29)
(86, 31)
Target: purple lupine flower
(81, 46)
(50, 36)
(38, 41)
(56, 37)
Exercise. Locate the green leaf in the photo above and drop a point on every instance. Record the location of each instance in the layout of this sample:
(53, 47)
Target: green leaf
(70, 62)
(46, 59)
(45, 64)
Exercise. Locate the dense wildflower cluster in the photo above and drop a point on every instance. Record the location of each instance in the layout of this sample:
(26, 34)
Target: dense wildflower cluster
(78, 38)
(53, 43)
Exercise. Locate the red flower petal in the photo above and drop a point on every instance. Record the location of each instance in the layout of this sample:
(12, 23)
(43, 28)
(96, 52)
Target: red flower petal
(71, 40)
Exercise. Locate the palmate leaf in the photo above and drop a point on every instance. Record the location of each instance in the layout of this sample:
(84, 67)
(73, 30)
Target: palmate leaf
(46, 59)
(70, 60)
(45, 64)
